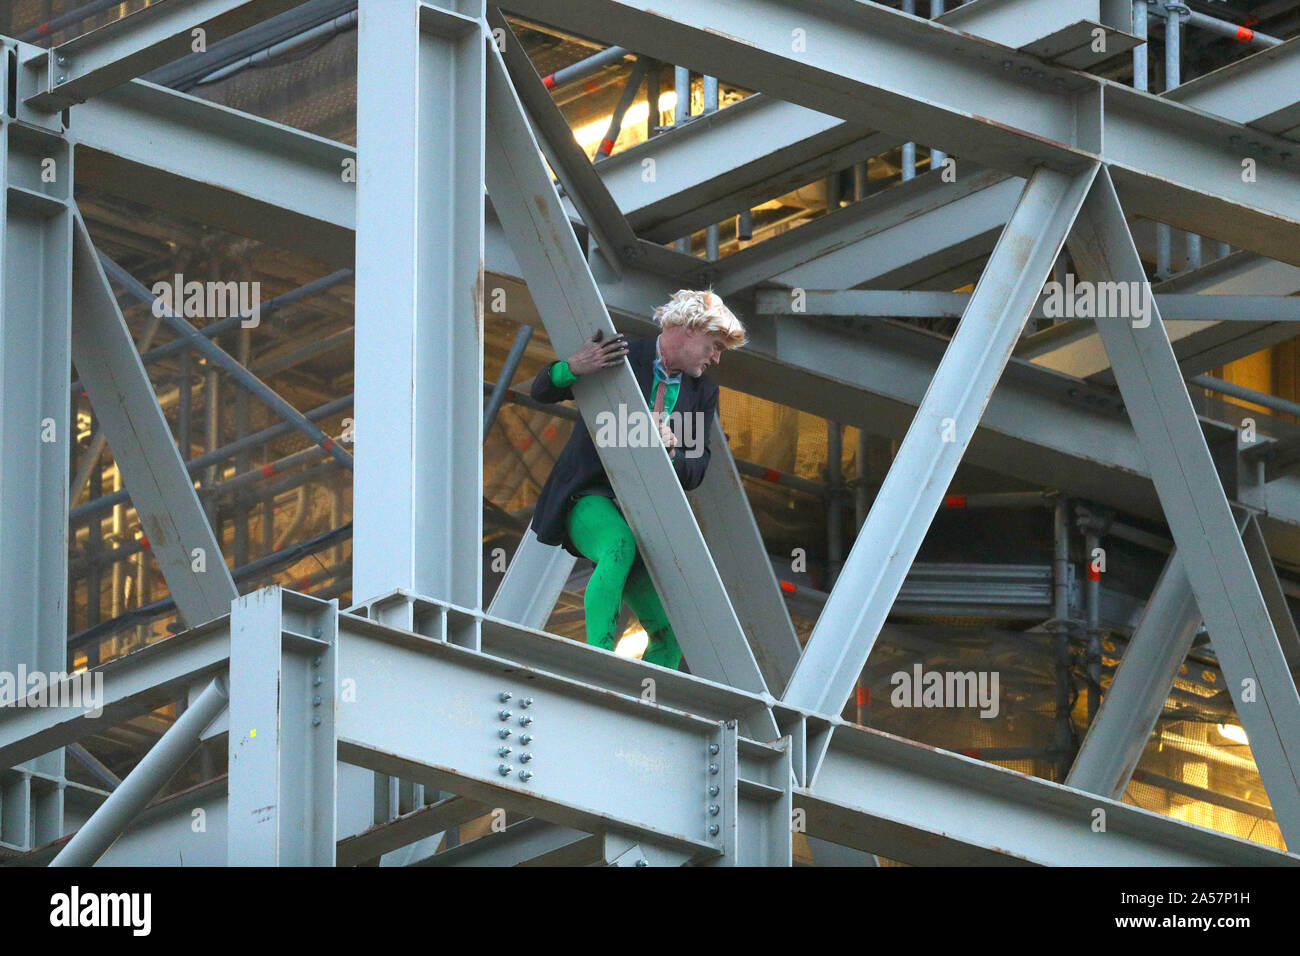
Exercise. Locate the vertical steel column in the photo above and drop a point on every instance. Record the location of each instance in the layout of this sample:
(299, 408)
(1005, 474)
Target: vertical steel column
(908, 158)
(937, 438)
(710, 106)
(1092, 598)
(681, 113)
(418, 480)
(35, 356)
(937, 157)
(1173, 76)
(834, 502)
(1196, 508)
(652, 75)
(1060, 625)
(283, 739)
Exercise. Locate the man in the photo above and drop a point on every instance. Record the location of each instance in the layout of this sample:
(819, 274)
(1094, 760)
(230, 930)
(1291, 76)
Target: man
(577, 508)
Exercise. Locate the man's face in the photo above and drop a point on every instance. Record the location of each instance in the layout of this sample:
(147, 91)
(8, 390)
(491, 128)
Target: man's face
(699, 350)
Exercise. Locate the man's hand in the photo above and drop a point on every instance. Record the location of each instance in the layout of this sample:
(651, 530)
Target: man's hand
(594, 356)
(669, 439)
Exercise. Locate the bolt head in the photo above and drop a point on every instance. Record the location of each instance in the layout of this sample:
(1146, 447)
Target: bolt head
(317, 680)
(524, 758)
(503, 751)
(504, 696)
(642, 862)
(503, 733)
(714, 790)
(524, 721)
(713, 748)
(60, 59)
(713, 829)
(526, 702)
(714, 809)
(504, 715)
(315, 701)
(713, 768)
(526, 739)
(315, 721)
(525, 775)
(504, 769)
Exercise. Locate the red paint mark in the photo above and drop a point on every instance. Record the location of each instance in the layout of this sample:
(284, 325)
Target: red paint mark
(954, 501)
(327, 444)
(268, 470)
(1244, 35)
(550, 432)
(973, 752)
(549, 81)
(1094, 573)
(864, 696)
(526, 444)
(1250, 21)
(771, 474)
(607, 146)
(144, 544)
(787, 587)
(43, 29)
(510, 393)
(591, 86)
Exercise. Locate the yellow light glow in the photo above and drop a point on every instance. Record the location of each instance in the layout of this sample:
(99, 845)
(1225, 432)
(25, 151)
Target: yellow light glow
(591, 134)
(1233, 733)
(633, 644)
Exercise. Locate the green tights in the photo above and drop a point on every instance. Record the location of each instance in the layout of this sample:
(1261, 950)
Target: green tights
(600, 532)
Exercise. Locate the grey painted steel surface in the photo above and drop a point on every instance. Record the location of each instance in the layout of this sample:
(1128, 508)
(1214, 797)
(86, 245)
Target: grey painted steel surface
(1246, 91)
(1270, 587)
(722, 509)
(180, 537)
(282, 772)
(1197, 511)
(533, 581)
(419, 313)
(968, 101)
(124, 49)
(644, 480)
(153, 771)
(1130, 708)
(936, 440)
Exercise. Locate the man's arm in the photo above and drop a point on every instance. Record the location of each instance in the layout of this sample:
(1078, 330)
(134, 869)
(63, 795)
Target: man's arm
(554, 383)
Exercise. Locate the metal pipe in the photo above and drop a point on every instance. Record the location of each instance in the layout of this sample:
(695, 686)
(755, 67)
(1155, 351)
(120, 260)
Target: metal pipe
(834, 489)
(1092, 596)
(507, 375)
(681, 115)
(106, 778)
(861, 502)
(1060, 626)
(340, 24)
(745, 225)
(652, 77)
(211, 438)
(1223, 28)
(620, 109)
(1140, 68)
(584, 68)
(1246, 394)
(1173, 71)
(218, 356)
(150, 775)
(84, 12)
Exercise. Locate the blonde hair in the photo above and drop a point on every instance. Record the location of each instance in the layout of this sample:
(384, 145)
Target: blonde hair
(701, 311)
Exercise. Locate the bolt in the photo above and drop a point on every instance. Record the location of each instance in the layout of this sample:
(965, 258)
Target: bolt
(60, 59)
(315, 701)
(315, 721)
(526, 739)
(315, 662)
(714, 809)
(524, 758)
(61, 78)
(317, 680)
(526, 702)
(317, 631)
(504, 769)
(713, 768)
(503, 733)
(714, 790)
(642, 862)
(525, 775)
(503, 751)
(524, 721)
(713, 829)
(504, 696)
(1006, 64)
(504, 715)
(1025, 71)
(713, 748)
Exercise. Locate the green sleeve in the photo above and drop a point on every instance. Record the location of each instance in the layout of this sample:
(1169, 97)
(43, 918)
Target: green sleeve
(561, 375)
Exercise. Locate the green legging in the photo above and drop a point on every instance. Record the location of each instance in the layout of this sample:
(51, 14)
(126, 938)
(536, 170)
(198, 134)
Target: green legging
(600, 532)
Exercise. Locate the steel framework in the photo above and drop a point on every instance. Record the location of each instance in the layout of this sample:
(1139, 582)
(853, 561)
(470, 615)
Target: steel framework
(362, 734)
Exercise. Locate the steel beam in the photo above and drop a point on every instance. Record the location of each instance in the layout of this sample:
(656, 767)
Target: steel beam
(993, 106)
(1140, 687)
(1203, 527)
(406, 829)
(920, 805)
(532, 584)
(419, 314)
(1247, 90)
(180, 537)
(284, 677)
(643, 478)
(75, 71)
(722, 509)
(936, 440)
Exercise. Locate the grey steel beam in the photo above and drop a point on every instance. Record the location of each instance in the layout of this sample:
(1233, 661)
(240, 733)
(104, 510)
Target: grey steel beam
(915, 304)
(645, 481)
(282, 741)
(1196, 509)
(996, 107)
(516, 845)
(179, 535)
(406, 829)
(532, 584)
(75, 71)
(694, 175)
(1131, 706)
(936, 440)
(1279, 612)
(921, 805)
(1248, 90)
(155, 146)
(722, 509)
(419, 313)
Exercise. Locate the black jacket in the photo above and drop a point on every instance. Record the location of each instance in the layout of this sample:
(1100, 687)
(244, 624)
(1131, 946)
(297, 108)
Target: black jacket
(578, 468)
